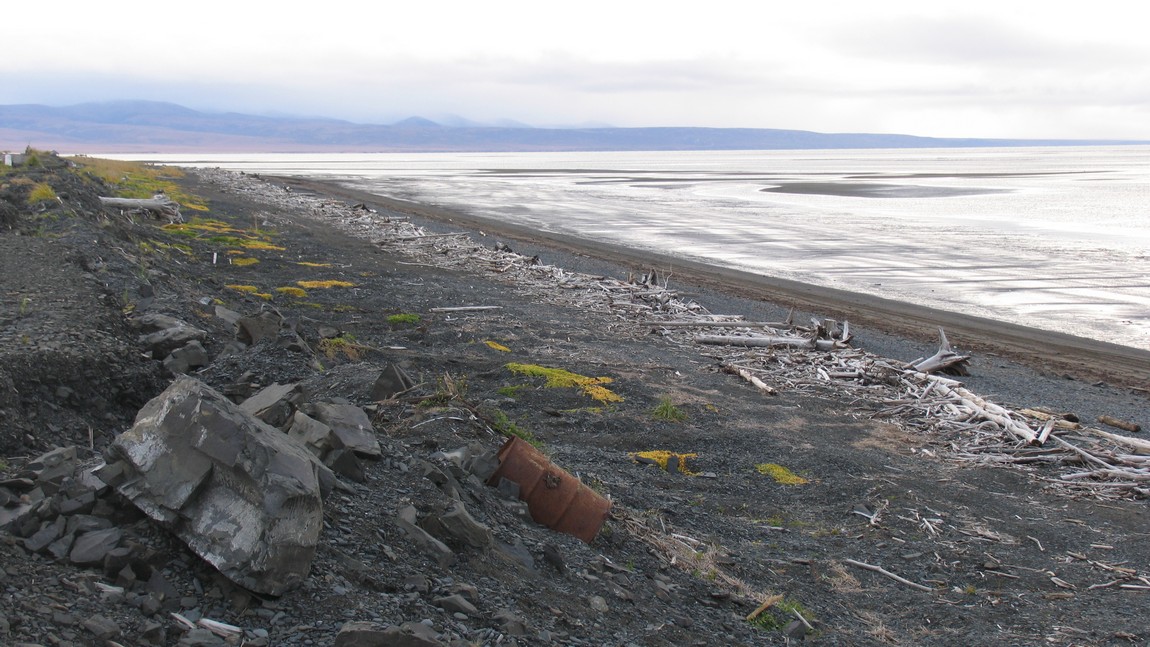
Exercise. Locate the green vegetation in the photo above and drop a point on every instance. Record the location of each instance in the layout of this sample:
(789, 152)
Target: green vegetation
(494, 345)
(511, 391)
(558, 378)
(503, 424)
(666, 410)
(221, 233)
(778, 615)
(139, 180)
(404, 319)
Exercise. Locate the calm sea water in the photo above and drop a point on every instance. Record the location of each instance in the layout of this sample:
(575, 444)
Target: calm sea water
(1056, 238)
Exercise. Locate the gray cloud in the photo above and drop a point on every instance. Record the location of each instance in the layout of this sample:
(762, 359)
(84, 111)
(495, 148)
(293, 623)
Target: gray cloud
(962, 40)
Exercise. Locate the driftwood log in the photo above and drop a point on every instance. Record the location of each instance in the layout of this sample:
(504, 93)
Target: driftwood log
(161, 206)
(945, 360)
(1120, 424)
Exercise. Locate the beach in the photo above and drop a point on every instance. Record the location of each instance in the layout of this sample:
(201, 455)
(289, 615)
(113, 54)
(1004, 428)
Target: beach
(1051, 239)
(1049, 353)
(844, 491)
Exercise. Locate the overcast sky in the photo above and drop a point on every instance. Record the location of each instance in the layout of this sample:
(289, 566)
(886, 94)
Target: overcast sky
(938, 68)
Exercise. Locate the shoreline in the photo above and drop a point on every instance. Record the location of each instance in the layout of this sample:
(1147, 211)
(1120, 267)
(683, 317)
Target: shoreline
(1042, 350)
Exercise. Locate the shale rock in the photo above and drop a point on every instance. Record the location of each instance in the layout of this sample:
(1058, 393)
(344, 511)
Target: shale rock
(350, 425)
(240, 493)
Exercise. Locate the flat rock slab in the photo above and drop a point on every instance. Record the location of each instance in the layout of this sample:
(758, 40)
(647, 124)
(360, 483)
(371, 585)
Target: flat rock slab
(240, 493)
(350, 425)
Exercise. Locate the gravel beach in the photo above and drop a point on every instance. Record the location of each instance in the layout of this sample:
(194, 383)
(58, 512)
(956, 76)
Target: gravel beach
(826, 507)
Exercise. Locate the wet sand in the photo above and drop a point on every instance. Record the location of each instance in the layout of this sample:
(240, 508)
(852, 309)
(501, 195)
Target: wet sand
(1046, 351)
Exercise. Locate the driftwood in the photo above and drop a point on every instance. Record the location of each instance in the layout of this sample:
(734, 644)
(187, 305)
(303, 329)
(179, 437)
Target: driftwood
(757, 341)
(160, 205)
(1137, 445)
(467, 309)
(1120, 424)
(750, 377)
(883, 571)
(945, 360)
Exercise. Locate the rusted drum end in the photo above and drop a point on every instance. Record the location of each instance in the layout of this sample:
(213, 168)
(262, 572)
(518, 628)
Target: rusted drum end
(554, 497)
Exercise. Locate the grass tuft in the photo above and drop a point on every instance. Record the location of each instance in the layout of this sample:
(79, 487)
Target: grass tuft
(42, 192)
(666, 410)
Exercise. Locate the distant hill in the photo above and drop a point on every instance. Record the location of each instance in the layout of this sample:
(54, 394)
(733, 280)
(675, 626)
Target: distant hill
(146, 126)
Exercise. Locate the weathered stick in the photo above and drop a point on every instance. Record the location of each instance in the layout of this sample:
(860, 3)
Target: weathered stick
(467, 309)
(1120, 424)
(883, 571)
(756, 342)
(1138, 445)
(767, 604)
(750, 377)
(703, 323)
(159, 205)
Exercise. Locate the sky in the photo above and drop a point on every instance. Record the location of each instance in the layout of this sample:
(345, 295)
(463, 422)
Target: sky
(933, 68)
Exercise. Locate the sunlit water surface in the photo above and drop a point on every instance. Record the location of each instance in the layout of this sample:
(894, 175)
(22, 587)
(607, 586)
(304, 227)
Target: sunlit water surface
(1056, 238)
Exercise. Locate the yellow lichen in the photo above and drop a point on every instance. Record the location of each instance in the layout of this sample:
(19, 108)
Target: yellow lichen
(662, 458)
(250, 289)
(259, 244)
(324, 284)
(494, 345)
(245, 262)
(781, 474)
(559, 378)
(309, 264)
(298, 293)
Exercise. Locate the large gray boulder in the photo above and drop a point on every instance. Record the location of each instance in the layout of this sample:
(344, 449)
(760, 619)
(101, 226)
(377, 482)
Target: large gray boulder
(240, 493)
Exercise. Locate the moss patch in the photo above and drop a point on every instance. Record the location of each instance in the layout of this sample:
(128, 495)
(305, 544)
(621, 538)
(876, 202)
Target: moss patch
(323, 285)
(558, 378)
(663, 458)
(782, 475)
(294, 292)
(403, 319)
(249, 289)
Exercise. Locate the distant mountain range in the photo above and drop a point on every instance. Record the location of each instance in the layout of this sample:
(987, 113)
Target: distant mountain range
(147, 126)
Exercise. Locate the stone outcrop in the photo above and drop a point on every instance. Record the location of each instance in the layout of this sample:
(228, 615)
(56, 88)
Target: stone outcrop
(240, 493)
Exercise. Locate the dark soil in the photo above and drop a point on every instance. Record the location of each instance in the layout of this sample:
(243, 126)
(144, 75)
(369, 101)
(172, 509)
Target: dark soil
(683, 560)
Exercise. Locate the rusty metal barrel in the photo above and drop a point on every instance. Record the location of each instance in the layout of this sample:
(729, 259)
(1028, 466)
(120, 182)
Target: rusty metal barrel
(554, 497)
